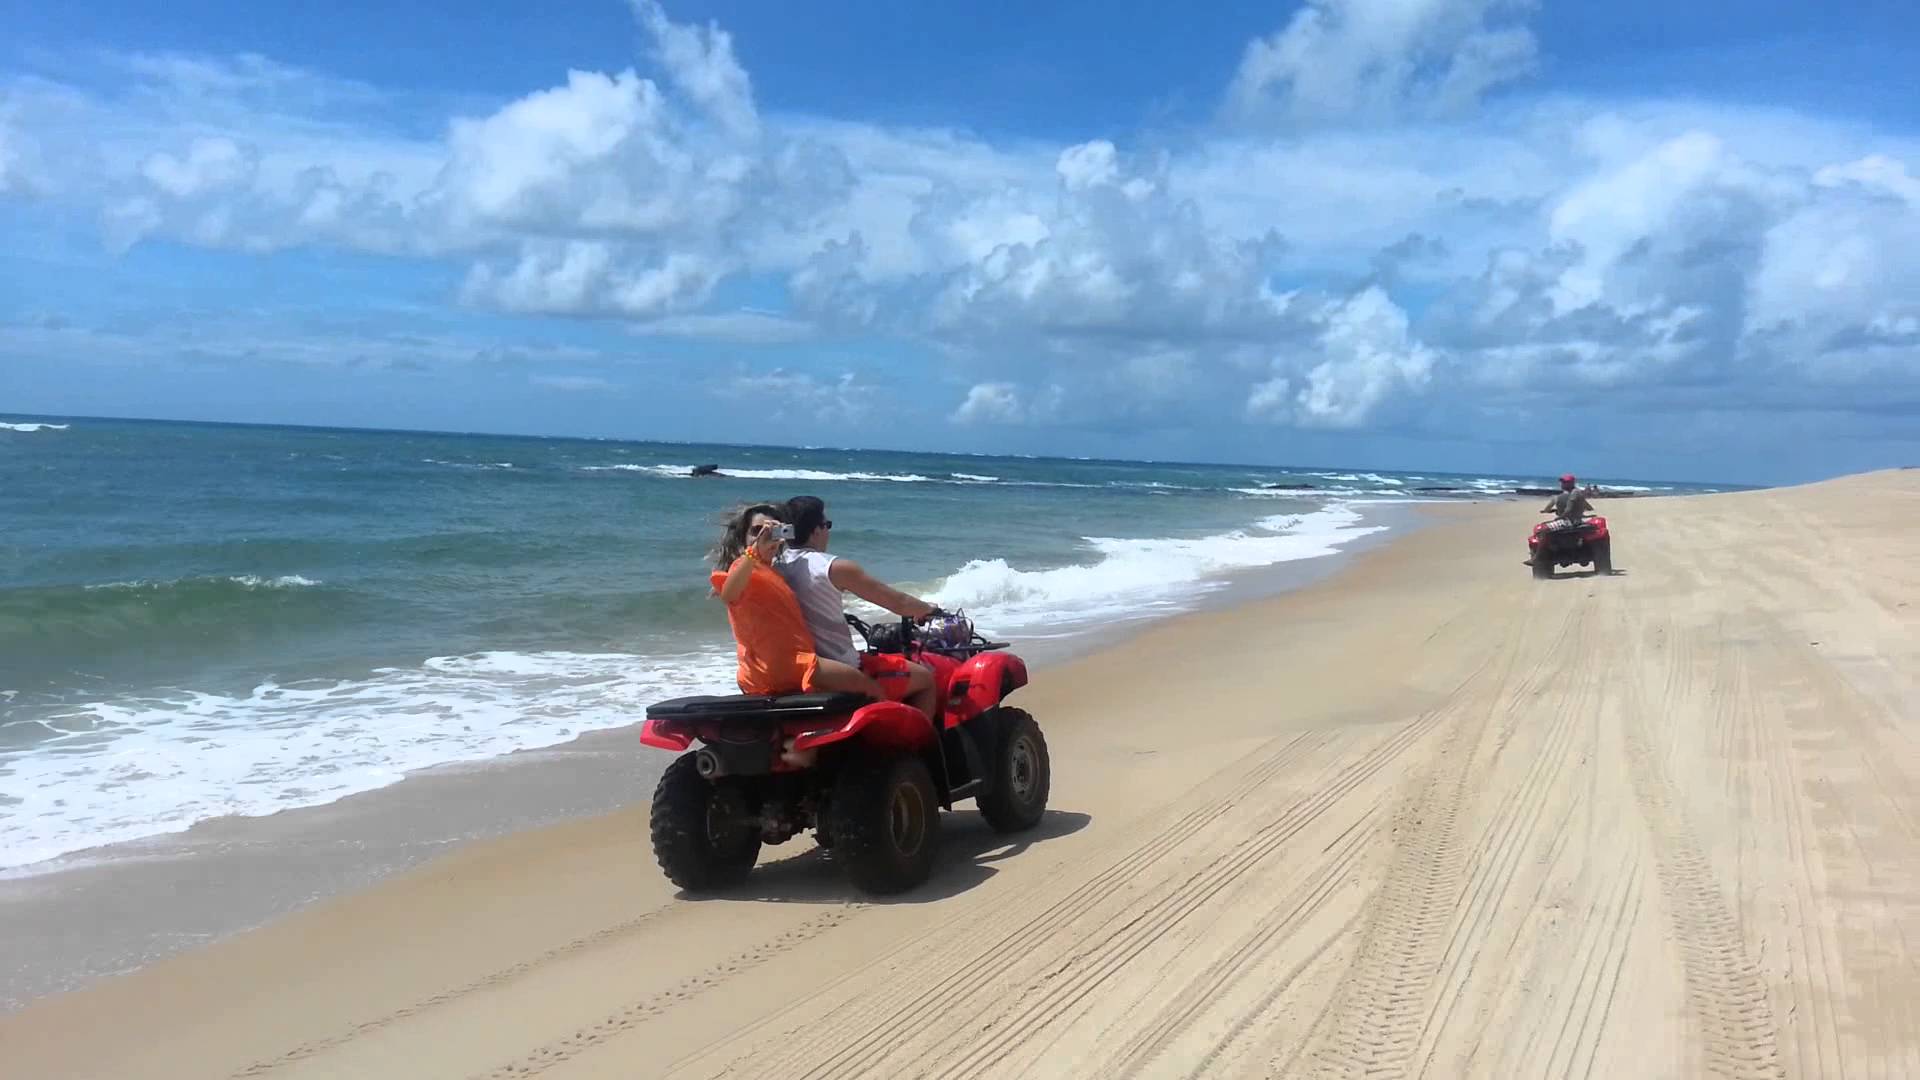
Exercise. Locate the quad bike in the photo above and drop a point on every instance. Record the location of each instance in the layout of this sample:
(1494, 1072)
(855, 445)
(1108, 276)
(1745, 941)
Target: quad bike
(868, 777)
(1570, 543)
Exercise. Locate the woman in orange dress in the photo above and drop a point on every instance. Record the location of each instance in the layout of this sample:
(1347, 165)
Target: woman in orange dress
(770, 634)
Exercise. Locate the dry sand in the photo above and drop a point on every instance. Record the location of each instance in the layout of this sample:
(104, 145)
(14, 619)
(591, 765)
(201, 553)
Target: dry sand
(1430, 817)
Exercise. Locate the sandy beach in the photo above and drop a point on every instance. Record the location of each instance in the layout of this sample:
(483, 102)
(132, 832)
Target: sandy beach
(1427, 817)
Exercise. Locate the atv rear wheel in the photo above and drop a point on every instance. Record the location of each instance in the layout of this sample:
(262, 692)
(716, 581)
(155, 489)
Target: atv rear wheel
(1603, 558)
(885, 823)
(1542, 565)
(1022, 775)
(705, 835)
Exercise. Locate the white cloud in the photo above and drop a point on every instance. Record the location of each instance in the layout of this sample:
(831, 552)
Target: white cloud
(209, 165)
(1363, 354)
(542, 160)
(701, 63)
(991, 403)
(587, 277)
(577, 384)
(1686, 262)
(746, 327)
(1391, 244)
(1381, 59)
(1117, 252)
(802, 398)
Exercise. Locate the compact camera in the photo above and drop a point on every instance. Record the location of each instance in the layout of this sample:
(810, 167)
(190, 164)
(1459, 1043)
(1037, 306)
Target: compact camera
(783, 531)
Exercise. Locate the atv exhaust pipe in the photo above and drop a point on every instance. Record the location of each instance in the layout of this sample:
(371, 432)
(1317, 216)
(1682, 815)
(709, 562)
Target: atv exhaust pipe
(707, 764)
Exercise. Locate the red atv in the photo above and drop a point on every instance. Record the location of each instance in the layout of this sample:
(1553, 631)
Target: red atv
(1570, 543)
(870, 778)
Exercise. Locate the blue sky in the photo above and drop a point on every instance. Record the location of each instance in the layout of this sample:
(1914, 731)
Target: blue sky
(1641, 239)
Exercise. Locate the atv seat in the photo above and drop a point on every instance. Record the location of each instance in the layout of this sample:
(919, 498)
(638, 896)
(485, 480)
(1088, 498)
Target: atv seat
(734, 706)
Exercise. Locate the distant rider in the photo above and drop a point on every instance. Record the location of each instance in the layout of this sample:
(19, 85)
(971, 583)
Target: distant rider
(1571, 504)
(818, 579)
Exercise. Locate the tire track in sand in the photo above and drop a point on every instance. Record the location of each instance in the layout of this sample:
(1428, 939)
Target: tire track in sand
(1205, 989)
(1381, 1007)
(563, 1049)
(579, 945)
(1381, 1011)
(1724, 989)
(1499, 856)
(1052, 997)
(936, 998)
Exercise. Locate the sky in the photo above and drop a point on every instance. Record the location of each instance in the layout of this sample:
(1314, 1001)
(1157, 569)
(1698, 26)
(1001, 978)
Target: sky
(1652, 240)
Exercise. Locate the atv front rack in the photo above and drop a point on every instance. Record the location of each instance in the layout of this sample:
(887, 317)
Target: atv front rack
(900, 638)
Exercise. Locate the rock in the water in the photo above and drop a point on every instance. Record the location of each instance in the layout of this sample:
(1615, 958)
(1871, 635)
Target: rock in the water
(707, 470)
(1289, 487)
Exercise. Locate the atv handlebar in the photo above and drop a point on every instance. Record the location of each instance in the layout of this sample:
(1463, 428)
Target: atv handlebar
(885, 639)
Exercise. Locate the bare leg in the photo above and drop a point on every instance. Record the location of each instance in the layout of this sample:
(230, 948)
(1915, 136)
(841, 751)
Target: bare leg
(836, 677)
(920, 693)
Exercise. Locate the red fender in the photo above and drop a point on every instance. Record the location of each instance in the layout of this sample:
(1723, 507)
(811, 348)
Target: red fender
(1597, 523)
(657, 733)
(984, 681)
(890, 725)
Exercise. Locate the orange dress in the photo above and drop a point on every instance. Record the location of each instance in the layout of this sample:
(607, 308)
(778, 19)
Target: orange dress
(770, 634)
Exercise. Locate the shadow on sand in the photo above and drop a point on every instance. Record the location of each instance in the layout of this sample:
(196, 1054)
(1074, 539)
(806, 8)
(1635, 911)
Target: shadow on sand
(968, 850)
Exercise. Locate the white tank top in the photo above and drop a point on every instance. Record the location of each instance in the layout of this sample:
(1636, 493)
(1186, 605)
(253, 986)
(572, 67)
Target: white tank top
(805, 571)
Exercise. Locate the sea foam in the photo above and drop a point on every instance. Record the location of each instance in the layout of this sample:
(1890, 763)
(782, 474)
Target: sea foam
(142, 766)
(1134, 578)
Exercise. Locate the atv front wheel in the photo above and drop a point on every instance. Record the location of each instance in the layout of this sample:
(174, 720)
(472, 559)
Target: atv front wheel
(1022, 775)
(885, 823)
(704, 834)
(1603, 558)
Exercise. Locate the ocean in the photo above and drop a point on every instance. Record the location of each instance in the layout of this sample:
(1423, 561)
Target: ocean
(200, 620)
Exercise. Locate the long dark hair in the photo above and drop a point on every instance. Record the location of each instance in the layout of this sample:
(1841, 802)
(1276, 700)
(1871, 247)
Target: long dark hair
(733, 535)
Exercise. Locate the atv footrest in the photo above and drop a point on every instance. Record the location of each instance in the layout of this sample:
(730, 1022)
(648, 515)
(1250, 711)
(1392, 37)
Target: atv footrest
(728, 706)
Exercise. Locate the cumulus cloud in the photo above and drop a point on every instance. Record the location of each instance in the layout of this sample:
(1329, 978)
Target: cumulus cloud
(1117, 251)
(587, 277)
(991, 403)
(1689, 264)
(1363, 354)
(1355, 239)
(700, 61)
(1343, 60)
(610, 193)
(803, 398)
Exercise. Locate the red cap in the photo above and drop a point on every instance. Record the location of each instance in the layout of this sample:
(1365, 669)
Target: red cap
(1567, 479)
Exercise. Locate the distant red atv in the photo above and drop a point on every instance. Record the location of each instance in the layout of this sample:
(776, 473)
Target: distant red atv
(1566, 543)
(870, 778)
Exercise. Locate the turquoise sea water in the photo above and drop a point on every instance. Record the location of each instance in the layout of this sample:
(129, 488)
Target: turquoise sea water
(199, 620)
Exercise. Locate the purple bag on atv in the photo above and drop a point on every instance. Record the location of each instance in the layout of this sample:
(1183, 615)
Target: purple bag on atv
(942, 631)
